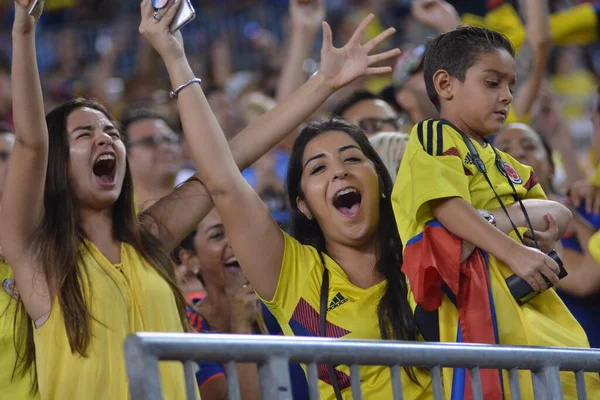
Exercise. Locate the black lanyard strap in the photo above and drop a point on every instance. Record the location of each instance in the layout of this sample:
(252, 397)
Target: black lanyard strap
(324, 298)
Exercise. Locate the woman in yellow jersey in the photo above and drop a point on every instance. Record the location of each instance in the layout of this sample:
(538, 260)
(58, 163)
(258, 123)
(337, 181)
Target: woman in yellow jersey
(344, 227)
(18, 382)
(88, 270)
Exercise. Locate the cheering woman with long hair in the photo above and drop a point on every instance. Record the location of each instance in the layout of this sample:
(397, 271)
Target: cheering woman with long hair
(88, 270)
(345, 243)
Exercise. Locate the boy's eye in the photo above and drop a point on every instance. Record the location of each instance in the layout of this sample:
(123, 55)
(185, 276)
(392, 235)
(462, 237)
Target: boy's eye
(352, 159)
(317, 169)
(115, 135)
(86, 134)
(492, 84)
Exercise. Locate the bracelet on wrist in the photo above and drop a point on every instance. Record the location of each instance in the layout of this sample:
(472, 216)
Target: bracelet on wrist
(175, 92)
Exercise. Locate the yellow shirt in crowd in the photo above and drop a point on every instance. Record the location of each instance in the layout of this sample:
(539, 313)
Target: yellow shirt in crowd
(18, 387)
(437, 165)
(122, 299)
(352, 314)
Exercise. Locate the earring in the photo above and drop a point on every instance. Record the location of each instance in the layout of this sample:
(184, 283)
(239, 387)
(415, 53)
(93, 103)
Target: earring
(309, 216)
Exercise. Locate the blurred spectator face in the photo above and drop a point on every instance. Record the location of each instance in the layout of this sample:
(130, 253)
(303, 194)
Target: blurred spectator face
(214, 252)
(226, 112)
(373, 116)
(524, 144)
(413, 98)
(155, 155)
(7, 142)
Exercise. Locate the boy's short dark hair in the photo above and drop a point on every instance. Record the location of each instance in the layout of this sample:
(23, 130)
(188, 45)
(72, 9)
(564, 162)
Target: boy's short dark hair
(355, 97)
(457, 51)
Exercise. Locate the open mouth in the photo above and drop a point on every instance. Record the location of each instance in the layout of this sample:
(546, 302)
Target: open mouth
(348, 201)
(105, 168)
(232, 263)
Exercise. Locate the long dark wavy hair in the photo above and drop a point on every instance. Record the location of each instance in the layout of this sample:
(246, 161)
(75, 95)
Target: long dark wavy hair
(59, 238)
(394, 313)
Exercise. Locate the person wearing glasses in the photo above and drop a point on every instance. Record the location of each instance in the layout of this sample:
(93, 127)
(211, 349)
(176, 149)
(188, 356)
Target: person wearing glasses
(369, 112)
(155, 155)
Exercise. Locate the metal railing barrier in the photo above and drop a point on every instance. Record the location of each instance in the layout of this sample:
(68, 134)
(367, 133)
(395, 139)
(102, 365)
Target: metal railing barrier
(272, 355)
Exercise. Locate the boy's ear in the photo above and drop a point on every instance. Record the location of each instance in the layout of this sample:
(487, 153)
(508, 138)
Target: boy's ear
(443, 83)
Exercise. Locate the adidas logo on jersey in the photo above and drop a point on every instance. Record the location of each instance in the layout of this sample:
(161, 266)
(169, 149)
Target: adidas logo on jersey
(469, 159)
(337, 301)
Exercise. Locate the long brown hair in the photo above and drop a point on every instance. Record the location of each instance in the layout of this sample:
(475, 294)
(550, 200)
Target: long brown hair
(59, 238)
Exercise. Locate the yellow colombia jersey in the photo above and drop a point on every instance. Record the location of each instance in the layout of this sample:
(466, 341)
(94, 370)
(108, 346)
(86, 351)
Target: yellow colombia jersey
(122, 299)
(437, 165)
(352, 314)
(18, 387)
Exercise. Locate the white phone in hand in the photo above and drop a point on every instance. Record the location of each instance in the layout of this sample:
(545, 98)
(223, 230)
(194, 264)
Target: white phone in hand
(185, 14)
(33, 6)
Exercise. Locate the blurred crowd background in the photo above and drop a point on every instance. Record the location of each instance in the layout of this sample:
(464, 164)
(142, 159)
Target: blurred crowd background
(92, 48)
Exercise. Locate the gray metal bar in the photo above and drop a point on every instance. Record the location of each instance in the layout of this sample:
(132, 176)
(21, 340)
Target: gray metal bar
(436, 377)
(580, 383)
(274, 378)
(142, 370)
(355, 382)
(247, 348)
(191, 384)
(233, 382)
(396, 382)
(546, 383)
(515, 387)
(313, 382)
(476, 388)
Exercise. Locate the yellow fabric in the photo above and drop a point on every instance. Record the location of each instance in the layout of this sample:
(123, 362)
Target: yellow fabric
(594, 246)
(576, 92)
(296, 306)
(596, 178)
(512, 117)
(19, 388)
(577, 25)
(122, 299)
(435, 166)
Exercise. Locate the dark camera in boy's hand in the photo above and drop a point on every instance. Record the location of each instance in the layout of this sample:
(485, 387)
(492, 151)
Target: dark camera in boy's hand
(522, 291)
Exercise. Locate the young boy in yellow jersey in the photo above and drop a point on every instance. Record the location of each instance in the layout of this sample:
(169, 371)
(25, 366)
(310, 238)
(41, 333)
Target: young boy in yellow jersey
(449, 180)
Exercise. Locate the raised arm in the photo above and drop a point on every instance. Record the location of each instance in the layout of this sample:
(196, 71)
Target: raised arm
(540, 40)
(460, 218)
(247, 221)
(305, 19)
(22, 201)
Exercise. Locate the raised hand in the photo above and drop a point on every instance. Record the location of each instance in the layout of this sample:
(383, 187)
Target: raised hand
(156, 31)
(307, 14)
(436, 14)
(24, 22)
(341, 66)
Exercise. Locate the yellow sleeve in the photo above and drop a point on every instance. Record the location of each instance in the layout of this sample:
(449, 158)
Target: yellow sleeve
(431, 169)
(577, 25)
(594, 246)
(595, 180)
(512, 117)
(297, 268)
